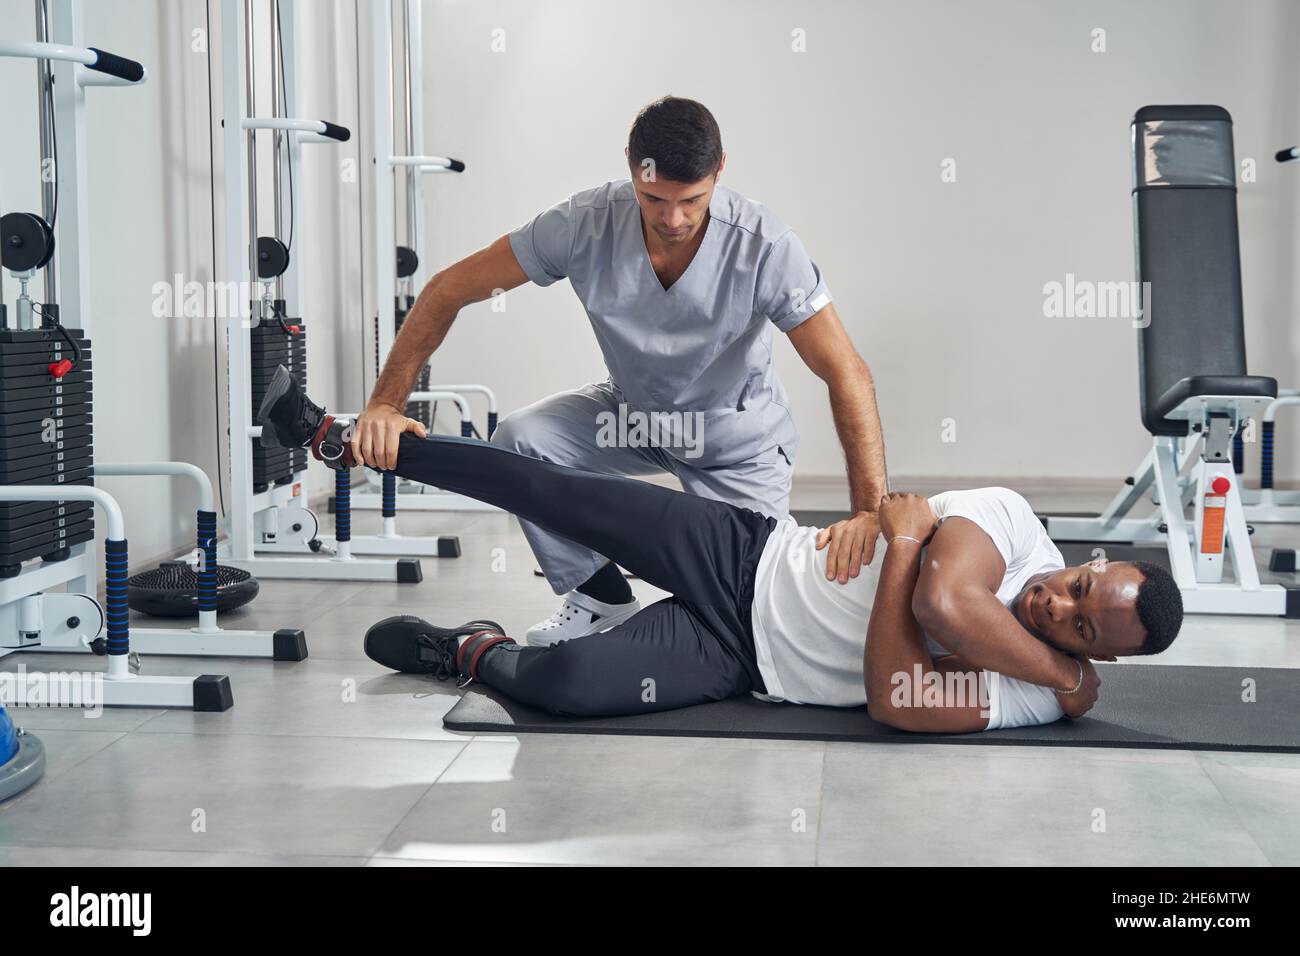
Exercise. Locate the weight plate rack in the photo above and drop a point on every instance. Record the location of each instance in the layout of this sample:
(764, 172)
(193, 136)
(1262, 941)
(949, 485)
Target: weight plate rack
(46, 438)
(271, 346)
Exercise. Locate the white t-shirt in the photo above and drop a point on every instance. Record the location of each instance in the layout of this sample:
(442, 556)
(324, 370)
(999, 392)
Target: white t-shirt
(810, 633)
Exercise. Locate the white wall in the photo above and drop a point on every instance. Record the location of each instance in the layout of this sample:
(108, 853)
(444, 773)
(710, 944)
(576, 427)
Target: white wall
(940, 284)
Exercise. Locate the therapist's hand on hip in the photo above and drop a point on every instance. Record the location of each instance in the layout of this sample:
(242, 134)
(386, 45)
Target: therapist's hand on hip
(375, 438)
(852, 544)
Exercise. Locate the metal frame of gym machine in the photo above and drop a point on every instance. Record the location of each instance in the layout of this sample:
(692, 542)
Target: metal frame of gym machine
(414, 164)
(1195, 548)
(267, 530)
(30, 618)
(389, 541)
(1267, 504)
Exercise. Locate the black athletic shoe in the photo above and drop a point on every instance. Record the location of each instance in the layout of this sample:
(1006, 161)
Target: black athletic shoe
(289, 419)
(414, 646)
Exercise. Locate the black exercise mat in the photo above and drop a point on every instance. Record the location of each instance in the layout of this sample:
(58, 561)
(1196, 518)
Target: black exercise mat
(1148, 706)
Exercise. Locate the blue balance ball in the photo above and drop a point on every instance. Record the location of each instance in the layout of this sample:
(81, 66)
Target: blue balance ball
(8, 738)
(22, 758)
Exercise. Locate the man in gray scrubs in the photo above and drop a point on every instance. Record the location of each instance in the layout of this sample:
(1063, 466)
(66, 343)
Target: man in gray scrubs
(683, 280)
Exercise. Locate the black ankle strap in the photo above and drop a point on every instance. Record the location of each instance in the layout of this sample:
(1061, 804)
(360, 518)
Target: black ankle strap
(334, 446)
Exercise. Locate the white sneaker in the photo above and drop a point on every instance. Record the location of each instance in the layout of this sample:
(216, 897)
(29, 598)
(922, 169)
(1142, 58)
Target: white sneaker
(579, 616)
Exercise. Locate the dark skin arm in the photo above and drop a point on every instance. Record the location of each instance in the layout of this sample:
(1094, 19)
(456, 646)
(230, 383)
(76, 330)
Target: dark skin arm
(896, 651)
(956, 603)
(825, 347)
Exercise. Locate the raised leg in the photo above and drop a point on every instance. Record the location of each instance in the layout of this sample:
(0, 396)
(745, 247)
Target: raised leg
(700, 550)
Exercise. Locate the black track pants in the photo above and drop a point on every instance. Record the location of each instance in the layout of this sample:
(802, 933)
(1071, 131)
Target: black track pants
(693, 647)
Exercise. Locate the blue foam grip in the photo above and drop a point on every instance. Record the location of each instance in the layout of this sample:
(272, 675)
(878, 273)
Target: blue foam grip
(1238, 453)
(207, 576)
(116, 611)
(492, 423)
(1266, 455)
(343, 505)
(466, 429)
(389, 488)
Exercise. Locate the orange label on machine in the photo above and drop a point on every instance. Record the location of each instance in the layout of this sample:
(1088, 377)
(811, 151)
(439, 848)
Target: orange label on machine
(1212, 516)
(1212, 529)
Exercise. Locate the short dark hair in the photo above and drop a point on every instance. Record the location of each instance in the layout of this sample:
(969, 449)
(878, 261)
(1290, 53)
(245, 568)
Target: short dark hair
(680, 136)
(1159, 607)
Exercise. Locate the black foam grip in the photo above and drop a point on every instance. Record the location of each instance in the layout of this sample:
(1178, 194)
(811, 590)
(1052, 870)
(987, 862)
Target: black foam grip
(118, 66)
(341, 133)
(456, 166)
(1290, 154)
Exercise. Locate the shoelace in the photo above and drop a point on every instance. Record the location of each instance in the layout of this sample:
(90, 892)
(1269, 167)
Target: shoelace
(446, 660)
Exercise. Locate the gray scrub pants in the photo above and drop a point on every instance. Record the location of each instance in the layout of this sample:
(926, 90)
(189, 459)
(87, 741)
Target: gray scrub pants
(564, 428)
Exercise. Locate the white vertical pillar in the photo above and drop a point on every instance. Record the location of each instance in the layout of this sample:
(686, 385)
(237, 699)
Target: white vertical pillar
(293, 282)
(416, 179)
(72, 230)
(381, 114)
(234, 91)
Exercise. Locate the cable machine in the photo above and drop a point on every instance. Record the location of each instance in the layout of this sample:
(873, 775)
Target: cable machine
(47, 466)
(272, 534)
(398, 267)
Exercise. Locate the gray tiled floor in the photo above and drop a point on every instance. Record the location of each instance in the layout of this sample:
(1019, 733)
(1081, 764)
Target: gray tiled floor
(334, 761)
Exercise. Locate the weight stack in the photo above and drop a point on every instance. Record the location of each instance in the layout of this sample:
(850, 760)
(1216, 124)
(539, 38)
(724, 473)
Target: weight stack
(420, 411)
(46, 427)
(273, 345)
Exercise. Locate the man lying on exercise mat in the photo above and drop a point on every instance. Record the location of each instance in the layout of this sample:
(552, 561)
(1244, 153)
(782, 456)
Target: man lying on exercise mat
(937, 640)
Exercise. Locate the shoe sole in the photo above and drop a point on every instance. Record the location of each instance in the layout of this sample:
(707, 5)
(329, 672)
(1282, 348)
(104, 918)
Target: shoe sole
(280, 383)
(394, 641)
(603, 625)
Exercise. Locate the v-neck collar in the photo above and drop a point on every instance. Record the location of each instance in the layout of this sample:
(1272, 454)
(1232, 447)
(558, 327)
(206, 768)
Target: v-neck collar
(645, 249)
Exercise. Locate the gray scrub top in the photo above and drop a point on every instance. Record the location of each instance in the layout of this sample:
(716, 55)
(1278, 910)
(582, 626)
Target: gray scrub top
(704, 344)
